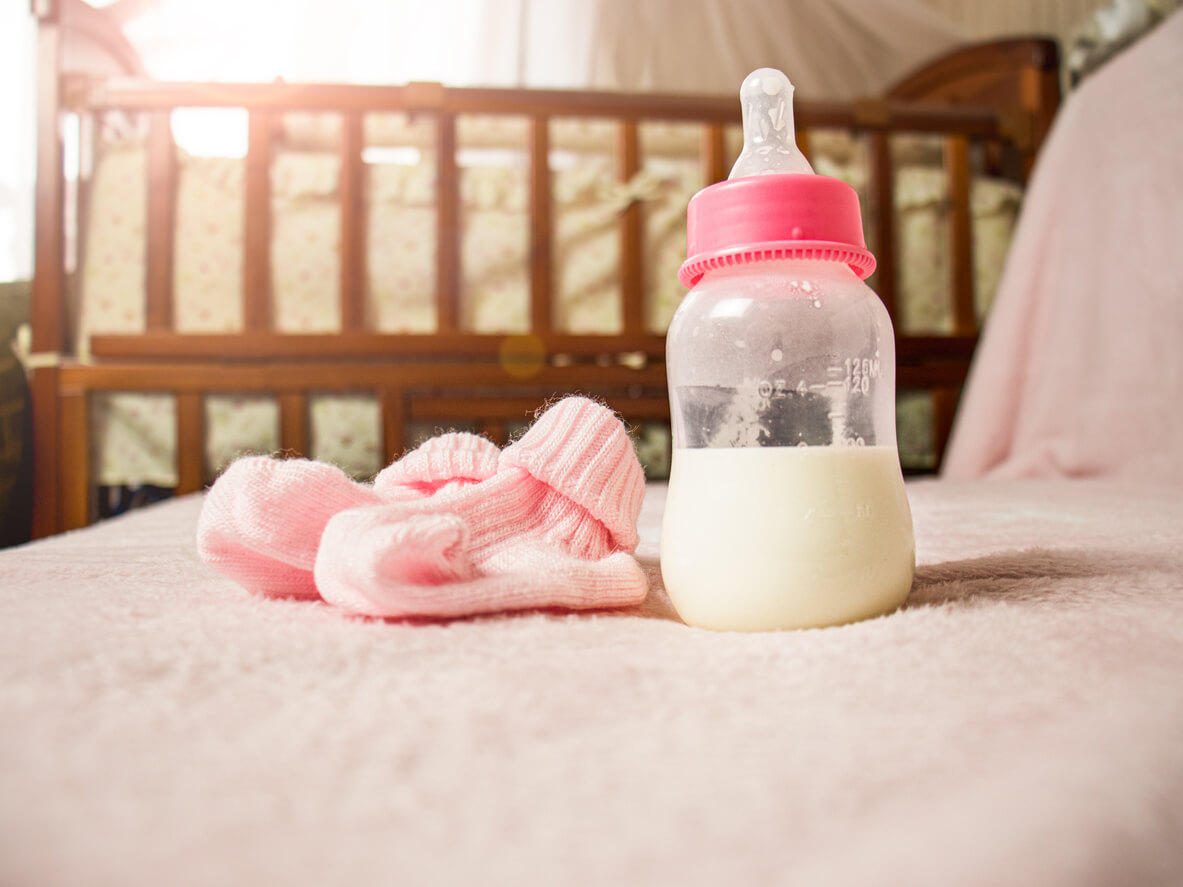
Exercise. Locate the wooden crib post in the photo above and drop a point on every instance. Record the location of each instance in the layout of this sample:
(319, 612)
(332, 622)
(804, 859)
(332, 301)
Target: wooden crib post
(447, 228)
(803, 143)
(354, 279)
(47, 461)
(190, 442)
(541, 321)
(77, 498)
(1039, 94)
(944, 410)
(632, 289)
(162, 203)
(957, 177)
(496, 431)
(713, 162)
(960, 231)
(393, 406)
(293, 423)
(256, 259)
(883, 204)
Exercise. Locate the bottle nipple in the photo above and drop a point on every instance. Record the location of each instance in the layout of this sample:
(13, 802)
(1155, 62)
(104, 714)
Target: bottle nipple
(769, 138)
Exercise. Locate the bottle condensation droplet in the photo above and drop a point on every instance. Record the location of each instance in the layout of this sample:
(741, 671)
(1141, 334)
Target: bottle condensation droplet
(769, 137)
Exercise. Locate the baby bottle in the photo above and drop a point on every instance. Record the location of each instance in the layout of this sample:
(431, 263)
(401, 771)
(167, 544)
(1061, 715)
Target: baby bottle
(786, 504)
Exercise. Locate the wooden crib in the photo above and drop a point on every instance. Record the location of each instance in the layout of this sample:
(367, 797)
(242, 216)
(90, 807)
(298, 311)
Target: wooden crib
(990, 104)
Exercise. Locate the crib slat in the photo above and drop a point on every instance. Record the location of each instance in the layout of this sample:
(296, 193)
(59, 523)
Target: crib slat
(541, 320)
(1039, 95)
(714, 167)
(162, 202)
(944, 406)
(353, 279)
(75, 460)
(802, 138)
(960, 233)
(47, 430)
(495, 430)
(447, 267)
(293, 423)
(883, 197)
(256, 260)
(632, 290)
(190, 442)
(392, 404)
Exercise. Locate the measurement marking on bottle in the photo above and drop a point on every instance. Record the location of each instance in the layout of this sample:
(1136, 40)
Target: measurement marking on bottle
(770, 388)
(859, 374)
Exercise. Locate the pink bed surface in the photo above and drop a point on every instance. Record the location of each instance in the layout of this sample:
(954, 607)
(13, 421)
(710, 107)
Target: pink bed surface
(1019, 721)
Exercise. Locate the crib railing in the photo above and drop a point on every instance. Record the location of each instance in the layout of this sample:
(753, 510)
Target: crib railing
(483, 375)
(406, 393)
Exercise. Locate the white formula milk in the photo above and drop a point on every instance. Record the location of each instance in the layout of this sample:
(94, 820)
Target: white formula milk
(759, 538)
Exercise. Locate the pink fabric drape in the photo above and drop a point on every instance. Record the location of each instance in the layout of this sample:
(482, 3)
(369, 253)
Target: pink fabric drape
(1080, 370)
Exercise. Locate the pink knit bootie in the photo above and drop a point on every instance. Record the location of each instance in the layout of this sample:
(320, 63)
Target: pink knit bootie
(555, 526)
(445, 462)
(262, 520)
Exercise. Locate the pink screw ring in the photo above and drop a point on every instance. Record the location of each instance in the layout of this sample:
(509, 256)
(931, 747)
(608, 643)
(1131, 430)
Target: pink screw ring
(765, 217)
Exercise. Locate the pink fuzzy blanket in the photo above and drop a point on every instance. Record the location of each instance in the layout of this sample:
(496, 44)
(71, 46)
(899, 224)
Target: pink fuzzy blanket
(1080, 370)
(1019, 722)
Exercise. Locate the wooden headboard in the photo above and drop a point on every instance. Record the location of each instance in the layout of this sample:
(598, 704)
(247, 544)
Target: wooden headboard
(1018, 76)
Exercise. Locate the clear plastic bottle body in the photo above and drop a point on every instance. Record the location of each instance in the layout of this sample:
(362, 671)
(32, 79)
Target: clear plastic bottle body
(786, 504)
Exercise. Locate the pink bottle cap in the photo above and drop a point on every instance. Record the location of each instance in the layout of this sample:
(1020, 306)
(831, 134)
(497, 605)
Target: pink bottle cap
(773, 206)
(759, 218)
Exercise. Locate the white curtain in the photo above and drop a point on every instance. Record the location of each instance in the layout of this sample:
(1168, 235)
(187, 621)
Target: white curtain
(831, 48)
(312, 40)
(998, 18)
(17, 140)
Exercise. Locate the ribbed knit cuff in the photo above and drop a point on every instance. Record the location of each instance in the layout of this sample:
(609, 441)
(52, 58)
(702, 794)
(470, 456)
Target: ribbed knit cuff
(581, 449)
(446, 457)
